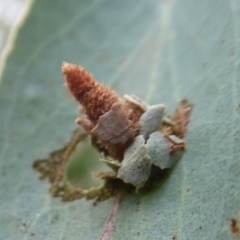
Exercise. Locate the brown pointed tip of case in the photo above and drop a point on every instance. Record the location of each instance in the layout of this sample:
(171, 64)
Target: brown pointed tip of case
(96, 98)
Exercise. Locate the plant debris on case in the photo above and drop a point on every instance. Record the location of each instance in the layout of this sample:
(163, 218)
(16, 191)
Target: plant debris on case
(133, 137)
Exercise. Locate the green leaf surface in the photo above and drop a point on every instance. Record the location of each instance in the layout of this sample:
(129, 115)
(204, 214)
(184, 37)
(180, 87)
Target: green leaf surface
(162, 51)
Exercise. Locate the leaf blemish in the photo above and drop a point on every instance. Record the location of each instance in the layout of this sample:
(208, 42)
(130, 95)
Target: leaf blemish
(234, 227)
(174, 237)
(24, 226)
(137, 141)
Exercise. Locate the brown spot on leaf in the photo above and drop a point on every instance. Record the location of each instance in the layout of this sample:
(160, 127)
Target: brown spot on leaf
(174, 237)
(234, 227)
(24, 226)
(238, 107)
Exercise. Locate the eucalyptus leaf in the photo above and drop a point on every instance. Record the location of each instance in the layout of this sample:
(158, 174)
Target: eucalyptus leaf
(161, 51)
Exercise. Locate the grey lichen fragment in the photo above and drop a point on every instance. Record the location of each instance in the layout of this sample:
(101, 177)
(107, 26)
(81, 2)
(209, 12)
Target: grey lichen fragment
(113, 127)
(159, 150)
(151, 120)
(136, 165)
